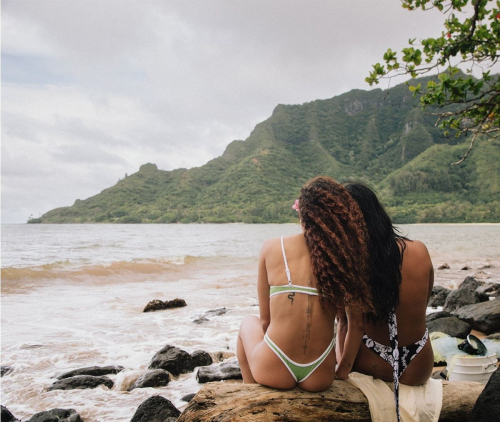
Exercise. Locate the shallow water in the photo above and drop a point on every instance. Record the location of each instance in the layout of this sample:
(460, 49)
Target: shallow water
(73, 295)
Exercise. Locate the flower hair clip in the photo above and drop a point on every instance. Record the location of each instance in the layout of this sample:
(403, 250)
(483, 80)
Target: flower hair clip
(295, 206)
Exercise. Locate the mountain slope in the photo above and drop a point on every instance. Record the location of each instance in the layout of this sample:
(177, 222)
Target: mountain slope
(379, 137)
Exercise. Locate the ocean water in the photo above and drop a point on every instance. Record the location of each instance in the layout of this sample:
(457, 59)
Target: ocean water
(73, 295)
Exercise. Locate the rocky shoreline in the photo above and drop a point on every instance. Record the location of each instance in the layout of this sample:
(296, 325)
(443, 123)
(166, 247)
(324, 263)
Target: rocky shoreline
(474, 305)
(169, 362)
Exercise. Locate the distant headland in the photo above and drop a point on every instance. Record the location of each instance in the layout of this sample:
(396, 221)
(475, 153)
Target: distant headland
(379, 137)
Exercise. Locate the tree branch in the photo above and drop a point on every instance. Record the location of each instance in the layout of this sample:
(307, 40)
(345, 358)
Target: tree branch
(468, 151)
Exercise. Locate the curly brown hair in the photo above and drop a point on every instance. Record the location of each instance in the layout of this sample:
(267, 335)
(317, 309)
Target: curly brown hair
(336, 237)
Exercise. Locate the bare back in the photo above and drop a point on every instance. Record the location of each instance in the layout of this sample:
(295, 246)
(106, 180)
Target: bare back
(297, 323)
(297, 319)
(416, 286)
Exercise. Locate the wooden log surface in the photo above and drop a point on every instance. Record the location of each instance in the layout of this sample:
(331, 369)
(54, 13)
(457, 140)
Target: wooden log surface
(224, 402)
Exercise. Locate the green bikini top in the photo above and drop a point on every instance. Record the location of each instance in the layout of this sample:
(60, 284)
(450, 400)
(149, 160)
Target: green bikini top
(290, 288)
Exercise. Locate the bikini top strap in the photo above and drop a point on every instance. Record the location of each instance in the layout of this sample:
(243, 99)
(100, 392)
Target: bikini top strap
(286, 263)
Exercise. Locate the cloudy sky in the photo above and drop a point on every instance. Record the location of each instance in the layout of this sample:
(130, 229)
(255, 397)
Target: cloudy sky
(92, 90)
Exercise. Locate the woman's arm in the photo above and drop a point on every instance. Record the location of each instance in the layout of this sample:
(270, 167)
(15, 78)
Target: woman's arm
(341, 333)
(431, 283)
(263, 289)
(353, 337)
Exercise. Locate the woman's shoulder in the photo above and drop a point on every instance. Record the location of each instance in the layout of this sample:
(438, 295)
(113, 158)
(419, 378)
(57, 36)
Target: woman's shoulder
(269, 244)
(415, 245)
(274, 243)
(415, 250)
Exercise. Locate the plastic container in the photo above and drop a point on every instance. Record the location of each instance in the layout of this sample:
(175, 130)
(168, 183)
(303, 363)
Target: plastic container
(472, 368)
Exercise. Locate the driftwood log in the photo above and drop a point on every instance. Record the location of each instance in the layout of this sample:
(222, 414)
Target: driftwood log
(224, 402)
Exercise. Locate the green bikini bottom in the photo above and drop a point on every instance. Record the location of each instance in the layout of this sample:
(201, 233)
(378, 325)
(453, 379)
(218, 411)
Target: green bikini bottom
(300, 371)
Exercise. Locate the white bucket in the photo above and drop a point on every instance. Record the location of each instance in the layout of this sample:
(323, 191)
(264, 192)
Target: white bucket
(472, 368)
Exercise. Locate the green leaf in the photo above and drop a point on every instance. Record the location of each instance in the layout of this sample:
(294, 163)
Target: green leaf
(413, 88)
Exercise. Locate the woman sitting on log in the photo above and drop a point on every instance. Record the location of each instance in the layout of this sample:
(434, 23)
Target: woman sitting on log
(395, 342)
(304, 280)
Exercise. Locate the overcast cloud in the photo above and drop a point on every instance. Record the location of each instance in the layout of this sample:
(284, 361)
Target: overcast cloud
(92, 90)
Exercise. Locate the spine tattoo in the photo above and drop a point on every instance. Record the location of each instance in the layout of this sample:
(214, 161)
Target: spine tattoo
(307, 331)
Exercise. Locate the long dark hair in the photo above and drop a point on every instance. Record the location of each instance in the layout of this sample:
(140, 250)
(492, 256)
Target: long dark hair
(336, 237)
(385, 247)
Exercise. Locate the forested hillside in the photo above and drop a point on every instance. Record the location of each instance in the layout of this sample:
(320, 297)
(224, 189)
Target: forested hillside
(379, 137)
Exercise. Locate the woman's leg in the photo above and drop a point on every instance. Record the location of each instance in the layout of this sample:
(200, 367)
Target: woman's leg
(249, 337)
(258, 363)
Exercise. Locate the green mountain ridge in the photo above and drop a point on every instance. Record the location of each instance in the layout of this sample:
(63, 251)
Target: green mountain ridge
(379, 137)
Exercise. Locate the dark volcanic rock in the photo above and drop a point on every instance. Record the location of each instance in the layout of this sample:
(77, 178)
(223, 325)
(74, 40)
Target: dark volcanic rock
(152, 378)
(444, 267)
(201, 358)
(154, 305)
(95, 371)
(437, 315)
(483, 316)
(460, 297)
(178, 361)
(159, 305)
(222, 371)
(156, 409)
(81, 382)
(211, 313)
(188, 397)
(6, 370)
(56, 415)
(465, 268)
(176, 303)
(7, 416)
(470, 283)
(451, 326)
(172, 359)
(215, 312)
(488, 402)
(490, 289)
(438, 296)
(473, 284)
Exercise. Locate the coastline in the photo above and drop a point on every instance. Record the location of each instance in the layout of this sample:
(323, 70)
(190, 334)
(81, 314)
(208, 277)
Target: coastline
(86, 308)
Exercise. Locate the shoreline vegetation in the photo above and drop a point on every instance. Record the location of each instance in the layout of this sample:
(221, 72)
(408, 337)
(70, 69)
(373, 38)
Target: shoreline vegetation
(382, 138)
(495, 223)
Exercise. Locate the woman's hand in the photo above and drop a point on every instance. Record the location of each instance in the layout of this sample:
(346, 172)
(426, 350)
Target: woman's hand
(342, 374)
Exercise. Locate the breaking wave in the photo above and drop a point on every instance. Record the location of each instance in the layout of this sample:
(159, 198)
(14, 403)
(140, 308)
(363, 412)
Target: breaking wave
(69, 270)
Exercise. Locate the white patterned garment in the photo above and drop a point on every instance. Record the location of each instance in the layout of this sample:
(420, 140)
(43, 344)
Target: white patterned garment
(417, 403)
(398, 357)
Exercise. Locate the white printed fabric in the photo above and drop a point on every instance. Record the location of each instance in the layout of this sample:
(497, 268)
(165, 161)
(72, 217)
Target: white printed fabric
(398, 357)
